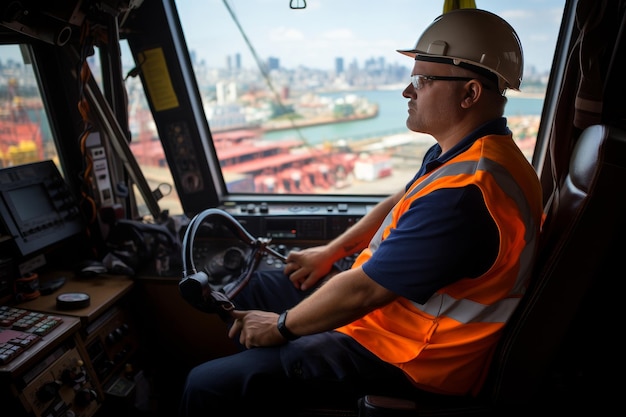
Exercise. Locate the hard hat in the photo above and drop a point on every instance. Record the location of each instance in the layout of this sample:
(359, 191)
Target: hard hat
(474, 39)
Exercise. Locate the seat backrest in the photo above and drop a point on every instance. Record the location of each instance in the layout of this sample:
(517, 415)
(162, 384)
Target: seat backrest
(584, 221)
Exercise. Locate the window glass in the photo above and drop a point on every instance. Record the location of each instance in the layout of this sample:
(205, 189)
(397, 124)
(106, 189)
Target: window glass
(144, 140)
(308, 101)
(145, 144)
(25, 134)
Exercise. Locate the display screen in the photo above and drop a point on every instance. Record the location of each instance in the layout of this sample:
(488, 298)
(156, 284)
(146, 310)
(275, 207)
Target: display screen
(37, 207)
(30, 202)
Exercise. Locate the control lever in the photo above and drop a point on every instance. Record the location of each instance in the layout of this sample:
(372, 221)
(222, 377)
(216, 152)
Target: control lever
(211, 291)
(271, 251)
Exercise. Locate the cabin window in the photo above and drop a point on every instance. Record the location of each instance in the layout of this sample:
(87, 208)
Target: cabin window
(308, 101)
(25, 134)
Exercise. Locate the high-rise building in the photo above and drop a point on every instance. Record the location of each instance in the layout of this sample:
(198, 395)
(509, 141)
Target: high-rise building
(226, 92)
(273, 63)
(338, 65)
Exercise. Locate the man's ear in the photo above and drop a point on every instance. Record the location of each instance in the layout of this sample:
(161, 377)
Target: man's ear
(473, 90)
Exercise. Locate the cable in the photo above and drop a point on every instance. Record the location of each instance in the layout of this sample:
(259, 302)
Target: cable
(264, 72)
(88, 203)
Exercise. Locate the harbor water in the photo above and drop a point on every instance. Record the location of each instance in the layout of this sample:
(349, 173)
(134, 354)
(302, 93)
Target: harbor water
(391, 118)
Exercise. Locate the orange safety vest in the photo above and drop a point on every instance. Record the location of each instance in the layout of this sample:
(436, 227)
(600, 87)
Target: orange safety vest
(445, 345)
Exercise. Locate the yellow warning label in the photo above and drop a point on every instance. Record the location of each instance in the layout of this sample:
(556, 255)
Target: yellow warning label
(158, 80)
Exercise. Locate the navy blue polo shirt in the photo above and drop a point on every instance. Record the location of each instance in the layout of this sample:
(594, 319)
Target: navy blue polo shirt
(443, 237)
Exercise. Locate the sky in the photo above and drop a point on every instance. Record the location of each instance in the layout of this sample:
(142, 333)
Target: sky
(354, 29)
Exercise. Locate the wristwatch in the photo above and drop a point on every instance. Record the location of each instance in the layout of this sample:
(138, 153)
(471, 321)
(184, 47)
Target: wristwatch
(282, 327)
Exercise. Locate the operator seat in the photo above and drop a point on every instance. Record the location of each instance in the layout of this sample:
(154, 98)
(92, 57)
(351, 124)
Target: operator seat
(553, 330)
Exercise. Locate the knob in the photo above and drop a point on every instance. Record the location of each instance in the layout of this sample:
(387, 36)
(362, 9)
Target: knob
(84, 397)
(106, 367)
(48, 391)
(111, 339)
(73, 376)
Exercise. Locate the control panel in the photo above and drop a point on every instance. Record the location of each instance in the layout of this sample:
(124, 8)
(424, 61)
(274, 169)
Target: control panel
(291, 222)
(63, 389)
(20, 329)
(102, 177)
(110, 342)
(286, 227)
(44, 371)
(69, 378)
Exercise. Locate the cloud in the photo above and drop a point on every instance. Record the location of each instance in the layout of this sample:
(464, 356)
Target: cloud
(281, 34)
(338, 34)
(509, 15)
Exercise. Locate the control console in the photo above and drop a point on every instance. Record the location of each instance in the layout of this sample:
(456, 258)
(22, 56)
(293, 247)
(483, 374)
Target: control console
(60, 363)
(291, 222)
(20, 329)
(64, 389)
(110, 342)
(44, 372)
(288, 227)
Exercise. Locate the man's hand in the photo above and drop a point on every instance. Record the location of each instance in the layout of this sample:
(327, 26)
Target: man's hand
(255, 328)
(306, 267)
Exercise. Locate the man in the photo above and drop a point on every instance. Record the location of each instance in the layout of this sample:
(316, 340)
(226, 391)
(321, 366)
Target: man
(442, 263)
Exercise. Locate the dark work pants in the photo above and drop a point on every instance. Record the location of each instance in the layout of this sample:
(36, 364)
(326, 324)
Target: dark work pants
(315, 370)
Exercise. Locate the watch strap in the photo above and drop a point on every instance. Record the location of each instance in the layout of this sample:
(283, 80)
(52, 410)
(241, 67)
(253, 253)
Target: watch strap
(282, 327)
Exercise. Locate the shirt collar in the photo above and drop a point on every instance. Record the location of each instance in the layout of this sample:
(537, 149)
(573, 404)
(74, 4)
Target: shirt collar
(434, 158)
